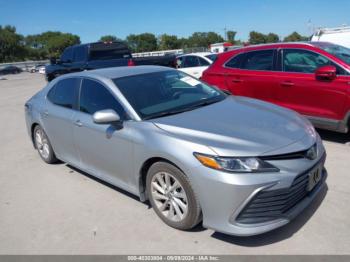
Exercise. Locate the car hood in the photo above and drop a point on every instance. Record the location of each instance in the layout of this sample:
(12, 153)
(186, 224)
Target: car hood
(239, 126)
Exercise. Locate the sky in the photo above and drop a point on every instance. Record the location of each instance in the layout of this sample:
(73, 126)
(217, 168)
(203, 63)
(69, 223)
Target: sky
(91, 19)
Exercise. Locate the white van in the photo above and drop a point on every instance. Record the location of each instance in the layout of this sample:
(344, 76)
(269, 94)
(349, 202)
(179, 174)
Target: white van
(336, 35)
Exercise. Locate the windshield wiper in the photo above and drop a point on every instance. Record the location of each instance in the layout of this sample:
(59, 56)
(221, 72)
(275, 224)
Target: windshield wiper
(173, 112)
(166, 113)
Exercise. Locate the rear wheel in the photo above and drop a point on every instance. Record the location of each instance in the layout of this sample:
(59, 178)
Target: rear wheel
(172, 197)
(43, 145)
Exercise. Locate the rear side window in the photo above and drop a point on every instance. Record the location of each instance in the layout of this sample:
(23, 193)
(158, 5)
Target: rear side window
(95, 97)
(191, 61)
(203, 62)
(67, 55)
(64, 93)
(258, 60)
(80, 53)
(235, 62)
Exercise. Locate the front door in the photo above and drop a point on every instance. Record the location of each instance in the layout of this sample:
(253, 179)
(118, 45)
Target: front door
(300, 90)
(105, 149)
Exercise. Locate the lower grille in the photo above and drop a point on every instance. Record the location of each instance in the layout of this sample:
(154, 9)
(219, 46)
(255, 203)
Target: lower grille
(273, 204)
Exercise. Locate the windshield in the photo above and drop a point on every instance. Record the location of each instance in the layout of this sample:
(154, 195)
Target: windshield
(164, 93)
(212, 57)
(339, 51)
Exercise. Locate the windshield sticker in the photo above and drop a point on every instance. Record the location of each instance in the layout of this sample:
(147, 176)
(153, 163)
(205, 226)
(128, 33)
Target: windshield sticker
(189, 80)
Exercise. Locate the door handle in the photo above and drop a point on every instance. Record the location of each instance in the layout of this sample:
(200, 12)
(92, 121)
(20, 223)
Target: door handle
(46, 113)
(78, 123)
(287, 83)
(237, 80)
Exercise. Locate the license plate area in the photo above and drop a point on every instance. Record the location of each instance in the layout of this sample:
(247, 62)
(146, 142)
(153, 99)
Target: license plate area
(315, 176)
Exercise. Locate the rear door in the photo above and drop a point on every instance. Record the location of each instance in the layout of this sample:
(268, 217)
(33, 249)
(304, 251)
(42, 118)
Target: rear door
(58, 115)
(298, 88)
(253, 74)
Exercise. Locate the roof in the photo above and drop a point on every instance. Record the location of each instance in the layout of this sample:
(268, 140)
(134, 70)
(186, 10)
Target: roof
(122, 71)
(198, 54)
(282, 44)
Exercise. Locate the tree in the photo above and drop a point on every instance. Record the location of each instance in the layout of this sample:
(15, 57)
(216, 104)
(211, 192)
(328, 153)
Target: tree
(108, 38)
(11, 45)
(256, 38)
(167, 42)
(272, 38)
(231, 36)
(51, 43)
(294, 37)
(204, 39)
(142, 42)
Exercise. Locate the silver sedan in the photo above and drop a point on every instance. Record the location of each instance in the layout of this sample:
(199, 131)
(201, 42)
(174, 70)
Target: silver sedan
(240, 165)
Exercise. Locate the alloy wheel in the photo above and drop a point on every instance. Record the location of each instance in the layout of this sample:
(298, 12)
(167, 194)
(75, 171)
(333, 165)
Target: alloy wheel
(169, 196)
(42, 143)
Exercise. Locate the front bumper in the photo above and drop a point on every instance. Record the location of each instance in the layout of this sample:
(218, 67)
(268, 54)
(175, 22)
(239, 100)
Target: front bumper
(224, 196)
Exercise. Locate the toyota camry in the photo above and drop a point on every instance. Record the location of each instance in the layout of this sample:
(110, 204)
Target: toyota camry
(238, 165)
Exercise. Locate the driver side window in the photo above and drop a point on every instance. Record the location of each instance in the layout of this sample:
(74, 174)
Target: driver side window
(95, 97)
(304, 61)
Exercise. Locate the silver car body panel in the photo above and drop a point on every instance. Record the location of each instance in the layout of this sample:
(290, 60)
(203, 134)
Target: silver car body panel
(235, 126)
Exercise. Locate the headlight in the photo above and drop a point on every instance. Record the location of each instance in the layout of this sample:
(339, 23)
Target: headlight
(236, 164)
(309, 127)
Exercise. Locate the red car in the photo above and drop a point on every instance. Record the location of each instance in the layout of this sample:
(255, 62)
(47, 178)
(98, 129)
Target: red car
(312, 78)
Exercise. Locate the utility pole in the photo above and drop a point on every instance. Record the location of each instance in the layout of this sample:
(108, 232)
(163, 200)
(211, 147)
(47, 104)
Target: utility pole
(225, 33)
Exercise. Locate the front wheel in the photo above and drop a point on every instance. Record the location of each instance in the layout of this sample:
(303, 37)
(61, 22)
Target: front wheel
(43, 145)
(172, 197)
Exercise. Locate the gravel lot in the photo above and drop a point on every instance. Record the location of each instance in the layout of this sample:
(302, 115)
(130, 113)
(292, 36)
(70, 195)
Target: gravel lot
(55, 209)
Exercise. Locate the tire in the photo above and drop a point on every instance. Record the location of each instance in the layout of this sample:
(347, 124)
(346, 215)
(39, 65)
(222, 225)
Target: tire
(188, 213)
(50, 78)
(43, 145)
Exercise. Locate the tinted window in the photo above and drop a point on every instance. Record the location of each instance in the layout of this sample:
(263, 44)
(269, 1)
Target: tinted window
(64, 92)
(339, 51)
(258, 60)
(67, 55)
(191, 61)
(95, 97)
(155, 94)
(203, 62)
(79, 53)
(102, 51)
(235, 62)
(303, 61)
(212, 57)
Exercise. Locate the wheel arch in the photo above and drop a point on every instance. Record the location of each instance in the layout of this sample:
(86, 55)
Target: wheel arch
(143, 174)
(32, 132)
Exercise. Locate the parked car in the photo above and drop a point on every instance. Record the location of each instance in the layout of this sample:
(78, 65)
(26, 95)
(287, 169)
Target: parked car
(42, 70)
(89, 56)
(311, 78)
(336, 35)
(195, 63)
(10, 70)
(36, 68)
(243, 166)
(100, 55)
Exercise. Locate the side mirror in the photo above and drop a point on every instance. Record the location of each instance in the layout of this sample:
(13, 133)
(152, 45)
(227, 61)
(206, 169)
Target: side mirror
(107, 116)
(327, 72)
